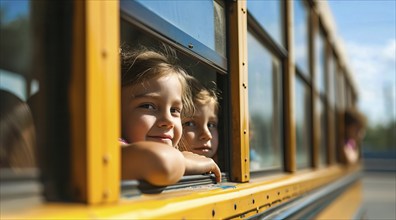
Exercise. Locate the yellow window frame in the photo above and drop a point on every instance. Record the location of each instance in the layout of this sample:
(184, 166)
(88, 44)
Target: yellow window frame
(95, 102)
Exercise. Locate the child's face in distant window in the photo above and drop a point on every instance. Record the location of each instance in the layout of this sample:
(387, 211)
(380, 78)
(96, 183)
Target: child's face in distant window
(200, 132)
(151, 111)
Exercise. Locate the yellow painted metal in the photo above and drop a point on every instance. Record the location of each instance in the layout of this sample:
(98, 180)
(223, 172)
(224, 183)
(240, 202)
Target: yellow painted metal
(226, 200)
(95, 102)
(239, 82)
(289, 88)
(77, 100)
(346, 205)
(103, 88)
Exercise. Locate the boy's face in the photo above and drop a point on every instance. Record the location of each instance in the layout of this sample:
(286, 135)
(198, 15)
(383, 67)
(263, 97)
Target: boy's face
(200, 132)
(151, 111)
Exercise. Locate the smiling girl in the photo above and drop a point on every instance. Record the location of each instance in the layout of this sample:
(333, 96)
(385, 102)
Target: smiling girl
(154, 95)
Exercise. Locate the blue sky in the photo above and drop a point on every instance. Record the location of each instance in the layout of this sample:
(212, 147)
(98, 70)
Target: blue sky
(367, 29)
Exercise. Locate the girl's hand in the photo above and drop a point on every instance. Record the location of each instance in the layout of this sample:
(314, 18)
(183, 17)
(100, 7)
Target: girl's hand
(198, 164)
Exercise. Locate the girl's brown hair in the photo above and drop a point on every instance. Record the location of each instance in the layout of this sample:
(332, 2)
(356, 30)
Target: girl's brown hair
(140, 65)
(201, 93)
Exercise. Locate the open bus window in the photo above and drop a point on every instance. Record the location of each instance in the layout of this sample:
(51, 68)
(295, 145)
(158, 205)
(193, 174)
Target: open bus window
(133, 38)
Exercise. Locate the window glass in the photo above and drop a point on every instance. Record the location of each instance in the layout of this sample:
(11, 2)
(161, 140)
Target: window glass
(203, 20)
(301, 36)
(320, 62)
(323, 132)
(341, 100)
(264, 106)
(349, 98)
(303, 123)
(17, 135)
(269, 14)
(332, 134)
(331, 79)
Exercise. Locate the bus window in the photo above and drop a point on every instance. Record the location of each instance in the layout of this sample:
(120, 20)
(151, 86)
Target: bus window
(264, 107)
(331, 94)
(181, 15)
(323, 132)
(269, 14)
(18, 87)
(303, 124)
(134, 35)
(176, 21)
(301, 37)
(320, 56)
(320, 68)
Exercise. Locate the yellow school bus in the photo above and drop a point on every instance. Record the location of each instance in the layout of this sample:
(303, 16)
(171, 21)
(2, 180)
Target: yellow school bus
(284, 83)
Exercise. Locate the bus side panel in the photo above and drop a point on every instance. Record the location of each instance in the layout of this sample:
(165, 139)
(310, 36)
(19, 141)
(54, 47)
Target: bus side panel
(346, 205)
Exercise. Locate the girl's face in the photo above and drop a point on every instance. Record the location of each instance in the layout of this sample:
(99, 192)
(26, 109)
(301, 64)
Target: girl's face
(200, 132)
(151, 111)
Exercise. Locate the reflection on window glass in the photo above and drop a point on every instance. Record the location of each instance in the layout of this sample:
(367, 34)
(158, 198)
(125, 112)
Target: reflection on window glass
(264, 107)
(15, 46)
(134, 38)
(17, 132)
(269, 14)
(323, 132)
(301, 36)
(331, 78)
(320, 65)
(341, 101)
(303, 123)
(204, 20)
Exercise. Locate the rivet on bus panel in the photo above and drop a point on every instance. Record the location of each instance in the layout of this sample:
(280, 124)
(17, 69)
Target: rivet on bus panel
(106, 159)
(104, 53)
(106, 194)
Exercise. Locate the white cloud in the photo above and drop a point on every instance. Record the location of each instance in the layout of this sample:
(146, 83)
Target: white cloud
(374, 67)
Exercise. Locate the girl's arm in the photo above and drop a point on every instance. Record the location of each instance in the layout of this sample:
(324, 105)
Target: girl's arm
(153, 162)
(198, 164)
